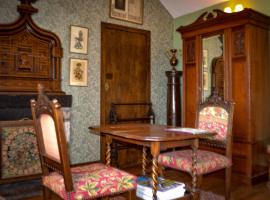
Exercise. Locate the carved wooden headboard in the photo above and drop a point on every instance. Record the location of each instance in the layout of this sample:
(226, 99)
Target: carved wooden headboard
(29, 55)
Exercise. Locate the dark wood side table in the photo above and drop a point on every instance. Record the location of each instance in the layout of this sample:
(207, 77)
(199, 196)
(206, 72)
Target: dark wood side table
(173, 98)
(157, 138)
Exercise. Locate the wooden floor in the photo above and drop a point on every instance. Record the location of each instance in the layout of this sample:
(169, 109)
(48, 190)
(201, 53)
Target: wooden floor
(215, 183)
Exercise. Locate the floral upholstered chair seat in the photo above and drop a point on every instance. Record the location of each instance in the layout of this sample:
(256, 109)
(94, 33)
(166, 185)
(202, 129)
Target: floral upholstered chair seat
(207, 161)
(215, 152)
(91, 181)
(211, 118)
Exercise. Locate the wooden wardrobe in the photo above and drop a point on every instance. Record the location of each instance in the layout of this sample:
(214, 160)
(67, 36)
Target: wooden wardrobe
(244, 45)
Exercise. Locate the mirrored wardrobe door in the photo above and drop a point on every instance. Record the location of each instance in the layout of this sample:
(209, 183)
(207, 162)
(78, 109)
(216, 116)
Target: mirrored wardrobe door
(212, 65)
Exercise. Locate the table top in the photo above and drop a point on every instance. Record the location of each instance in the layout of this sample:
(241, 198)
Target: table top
(151, 132)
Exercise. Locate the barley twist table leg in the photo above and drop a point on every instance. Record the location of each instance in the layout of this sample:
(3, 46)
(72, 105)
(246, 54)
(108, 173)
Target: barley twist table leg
(155, 176)
(108, 153)
(194, 166)
(144, 161)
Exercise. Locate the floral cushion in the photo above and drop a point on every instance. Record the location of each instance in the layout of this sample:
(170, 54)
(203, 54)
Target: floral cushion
(214, 119)
(91, 181)
(206, 161)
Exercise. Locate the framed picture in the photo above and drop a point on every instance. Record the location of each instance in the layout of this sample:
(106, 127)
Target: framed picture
(128, 10)
(205, 81)
(78, 72)
(19, 150)
(78, 39)
(205, 58)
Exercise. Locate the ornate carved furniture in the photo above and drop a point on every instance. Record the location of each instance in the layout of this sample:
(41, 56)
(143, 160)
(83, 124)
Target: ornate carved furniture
(213, 115)
(28, 55)
(129, 113)
(155, 137)
(86, 181)
(243, 42)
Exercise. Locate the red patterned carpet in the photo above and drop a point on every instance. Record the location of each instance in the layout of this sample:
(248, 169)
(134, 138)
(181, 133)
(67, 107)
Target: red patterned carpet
(33, 188)
(211, 196)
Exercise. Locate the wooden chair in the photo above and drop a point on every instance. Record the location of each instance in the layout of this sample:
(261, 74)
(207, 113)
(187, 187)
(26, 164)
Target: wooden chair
(214, 153)
(87, 181)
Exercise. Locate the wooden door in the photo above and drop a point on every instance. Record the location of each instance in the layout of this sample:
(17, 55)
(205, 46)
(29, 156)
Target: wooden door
(125, 68)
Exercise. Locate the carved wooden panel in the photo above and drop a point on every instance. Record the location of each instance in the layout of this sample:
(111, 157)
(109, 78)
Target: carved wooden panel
(238, 41)
(29, 55)
(190, 51)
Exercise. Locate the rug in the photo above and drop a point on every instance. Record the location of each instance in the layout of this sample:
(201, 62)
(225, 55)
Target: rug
(207, 195)
(33, 188)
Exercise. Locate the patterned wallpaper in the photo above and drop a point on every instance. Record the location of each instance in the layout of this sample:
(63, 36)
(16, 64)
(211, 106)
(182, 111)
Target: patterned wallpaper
(57, 16)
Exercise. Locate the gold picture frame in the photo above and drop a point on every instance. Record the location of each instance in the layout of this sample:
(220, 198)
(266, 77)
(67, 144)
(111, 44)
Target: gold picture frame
(127, 10)
(78, 71)
(205, 81)
(205, 58)
(78, 39)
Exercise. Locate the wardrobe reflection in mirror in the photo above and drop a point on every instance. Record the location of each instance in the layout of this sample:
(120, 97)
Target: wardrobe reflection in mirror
(212, 65)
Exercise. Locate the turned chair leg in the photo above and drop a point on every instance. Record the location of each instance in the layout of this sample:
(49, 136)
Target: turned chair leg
(228, 175)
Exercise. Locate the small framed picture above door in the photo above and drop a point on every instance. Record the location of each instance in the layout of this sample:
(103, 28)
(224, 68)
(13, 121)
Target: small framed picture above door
(78, 39)
(128, 10)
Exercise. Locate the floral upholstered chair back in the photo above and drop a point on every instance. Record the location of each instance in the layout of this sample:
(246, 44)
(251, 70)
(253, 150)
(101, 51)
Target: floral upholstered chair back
(215, 114)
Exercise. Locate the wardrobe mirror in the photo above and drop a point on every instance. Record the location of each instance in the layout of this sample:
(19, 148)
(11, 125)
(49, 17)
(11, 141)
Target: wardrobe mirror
(212, 65)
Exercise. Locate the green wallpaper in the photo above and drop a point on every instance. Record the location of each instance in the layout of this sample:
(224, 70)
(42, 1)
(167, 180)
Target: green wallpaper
(57, 16)
(262, 6)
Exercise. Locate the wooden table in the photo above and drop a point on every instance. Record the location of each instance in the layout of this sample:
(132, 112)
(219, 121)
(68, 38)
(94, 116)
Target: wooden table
(157, 138)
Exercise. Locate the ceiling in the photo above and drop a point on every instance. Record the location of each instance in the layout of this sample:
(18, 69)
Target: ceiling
(178, 8)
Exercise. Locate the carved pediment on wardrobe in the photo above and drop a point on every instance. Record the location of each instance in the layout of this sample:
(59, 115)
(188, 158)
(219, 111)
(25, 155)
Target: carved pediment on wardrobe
(218, 17)
(29, 55)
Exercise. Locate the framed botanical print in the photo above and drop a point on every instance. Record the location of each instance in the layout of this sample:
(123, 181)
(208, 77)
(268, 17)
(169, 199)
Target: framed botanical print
(78, 39)
(19, 150)
(78, 72)
(128, 10)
